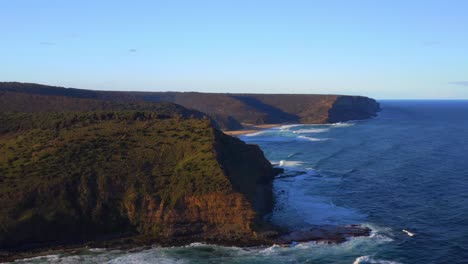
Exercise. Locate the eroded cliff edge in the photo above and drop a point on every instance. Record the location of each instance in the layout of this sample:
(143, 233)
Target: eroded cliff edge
(80, 166)
(73, 177)
(228, 110)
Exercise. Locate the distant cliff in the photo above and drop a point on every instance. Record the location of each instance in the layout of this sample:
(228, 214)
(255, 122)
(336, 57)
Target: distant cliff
(73, 177)
(230, 110)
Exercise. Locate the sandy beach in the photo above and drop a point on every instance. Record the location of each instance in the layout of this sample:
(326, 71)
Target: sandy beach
(250, 128)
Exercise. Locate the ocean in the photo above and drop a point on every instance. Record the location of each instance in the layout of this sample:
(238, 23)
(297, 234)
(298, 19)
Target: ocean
(406, 169)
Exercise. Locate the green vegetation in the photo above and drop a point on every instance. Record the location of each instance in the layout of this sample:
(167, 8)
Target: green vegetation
(80, 165)
(228, 110)
(88, 173)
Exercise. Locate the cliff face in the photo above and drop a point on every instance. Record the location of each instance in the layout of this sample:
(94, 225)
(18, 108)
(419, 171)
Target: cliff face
(73, 177)
(228, 110)
(249, 172)
(79, 165)
(352, 108)
(271, 108)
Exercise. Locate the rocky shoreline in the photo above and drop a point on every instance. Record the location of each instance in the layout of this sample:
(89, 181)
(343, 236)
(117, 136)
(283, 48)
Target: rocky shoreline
(265, 235)
(328, 234)
(90, 171)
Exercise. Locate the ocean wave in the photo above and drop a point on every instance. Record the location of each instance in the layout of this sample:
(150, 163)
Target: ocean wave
(379, 234)
(209, 253)
(337, 124)
(98, 249)
(289, 163)
(47, 258)
(369, 259)
(197, 244)
(311, 130)
(342, 124)
(311, 138)
(321, 252)
(270, 250)
(130, 259)
(287, 127)
(282, 139)
(298, 206)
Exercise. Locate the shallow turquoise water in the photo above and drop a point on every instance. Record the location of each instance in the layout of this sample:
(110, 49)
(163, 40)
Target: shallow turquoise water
(405, 170)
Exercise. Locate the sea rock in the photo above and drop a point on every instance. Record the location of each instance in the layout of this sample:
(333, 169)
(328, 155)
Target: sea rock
(324, 234)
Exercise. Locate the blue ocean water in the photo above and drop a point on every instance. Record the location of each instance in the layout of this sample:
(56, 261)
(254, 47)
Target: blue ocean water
(407, 169)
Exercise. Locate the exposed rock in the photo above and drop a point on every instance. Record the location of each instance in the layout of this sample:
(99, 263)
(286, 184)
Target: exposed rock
(352, 108)
(325, 234)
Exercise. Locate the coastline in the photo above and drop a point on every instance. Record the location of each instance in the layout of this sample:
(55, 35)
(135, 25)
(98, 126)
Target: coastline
(326, 234)
(250, 128)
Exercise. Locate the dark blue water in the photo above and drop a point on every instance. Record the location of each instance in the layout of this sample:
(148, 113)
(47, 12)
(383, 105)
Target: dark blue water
(404, 170)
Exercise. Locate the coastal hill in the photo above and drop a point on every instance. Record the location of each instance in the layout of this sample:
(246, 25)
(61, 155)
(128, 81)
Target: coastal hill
(165, 174)
(228, 110)
(80, 165)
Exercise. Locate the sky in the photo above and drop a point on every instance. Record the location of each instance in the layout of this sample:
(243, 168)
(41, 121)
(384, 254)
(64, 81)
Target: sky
(382, 49)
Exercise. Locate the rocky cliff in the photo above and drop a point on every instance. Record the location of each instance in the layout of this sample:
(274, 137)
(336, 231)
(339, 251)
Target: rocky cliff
(228, 110)
(81, 165)
(73, 177)
(352, 108)
(271, 108)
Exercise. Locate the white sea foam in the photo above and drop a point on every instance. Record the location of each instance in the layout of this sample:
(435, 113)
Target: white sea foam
(297, 205)
(97, 249)
(148, 256)
(318, 252)
(197, 244)
(287, 127)
(408, 232)
(311, 138)
(204, 253)
(270, 250)
(371, 260)
(342, 124)
(338, 124)
(48, 258)
(288, 163)
(311, 130)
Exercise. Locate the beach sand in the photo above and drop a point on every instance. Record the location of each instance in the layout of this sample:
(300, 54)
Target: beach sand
(250, 128)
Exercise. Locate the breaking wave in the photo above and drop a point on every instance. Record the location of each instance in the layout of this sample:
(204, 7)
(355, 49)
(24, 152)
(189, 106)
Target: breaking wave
(311, 138)
(371, 260)
(311, 130)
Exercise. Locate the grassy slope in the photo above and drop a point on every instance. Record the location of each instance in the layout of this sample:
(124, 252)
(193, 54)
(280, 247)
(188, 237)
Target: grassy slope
(79, 176)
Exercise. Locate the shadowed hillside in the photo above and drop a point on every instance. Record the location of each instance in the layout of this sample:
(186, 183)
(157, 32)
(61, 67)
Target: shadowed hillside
(228, 110)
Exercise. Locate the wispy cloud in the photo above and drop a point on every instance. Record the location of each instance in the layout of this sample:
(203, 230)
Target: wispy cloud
(46, 43)
(462, 83)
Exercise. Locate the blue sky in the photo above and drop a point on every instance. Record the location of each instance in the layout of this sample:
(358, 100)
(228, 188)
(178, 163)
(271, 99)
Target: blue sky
(382, 49)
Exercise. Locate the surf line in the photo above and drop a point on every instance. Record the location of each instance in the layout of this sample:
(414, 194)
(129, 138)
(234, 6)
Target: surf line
(408, 232)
